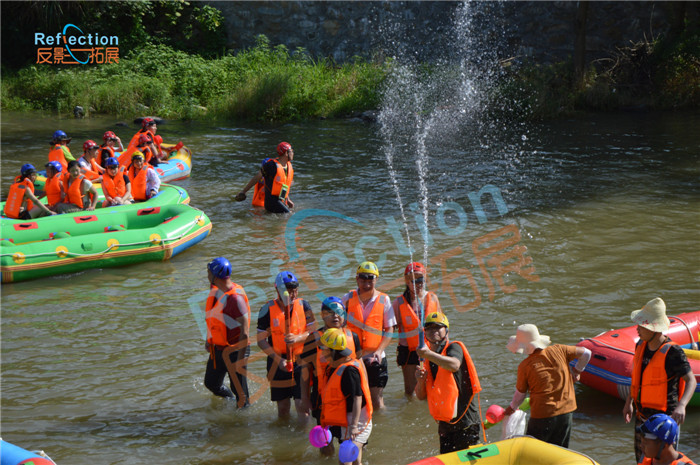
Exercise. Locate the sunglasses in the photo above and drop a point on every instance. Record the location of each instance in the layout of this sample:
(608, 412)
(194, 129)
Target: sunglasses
(112, 167)
(291, 287)
(366, 276)
(419, 280)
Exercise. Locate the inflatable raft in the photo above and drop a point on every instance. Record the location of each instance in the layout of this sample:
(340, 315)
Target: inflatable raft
(521, 450)
(15, 455)
(610, 368)
(108, 237)
(178, 166)
(167, 195)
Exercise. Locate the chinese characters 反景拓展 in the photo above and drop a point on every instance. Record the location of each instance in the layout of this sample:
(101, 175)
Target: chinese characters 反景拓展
(58, 55)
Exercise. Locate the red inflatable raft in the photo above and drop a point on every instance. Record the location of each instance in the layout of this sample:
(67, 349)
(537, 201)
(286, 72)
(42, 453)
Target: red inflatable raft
(610, 368)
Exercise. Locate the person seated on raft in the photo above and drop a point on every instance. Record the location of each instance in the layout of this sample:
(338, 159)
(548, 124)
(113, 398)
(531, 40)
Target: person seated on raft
(148, 128)
(116, 185)
(21, 202)
(88, 162)
(54, 184)
(60, 151)
(79, 191)
(158, 140)
(145, 183)
(109, 148)
(148, 148)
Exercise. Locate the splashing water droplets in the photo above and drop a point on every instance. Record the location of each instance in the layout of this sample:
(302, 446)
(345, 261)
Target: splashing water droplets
(425, 105)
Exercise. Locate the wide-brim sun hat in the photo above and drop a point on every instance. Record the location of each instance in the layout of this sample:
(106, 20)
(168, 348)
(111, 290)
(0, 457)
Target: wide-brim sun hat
(527, 338)
(652, 316)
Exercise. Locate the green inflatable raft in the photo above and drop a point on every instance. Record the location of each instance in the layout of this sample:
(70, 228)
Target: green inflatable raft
(157, 229)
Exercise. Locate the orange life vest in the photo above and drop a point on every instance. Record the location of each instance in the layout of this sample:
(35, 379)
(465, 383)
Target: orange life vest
(648, 389)
(322, 363)
(217, 330)
(114, 186)
(297, 325)
(259, 194)
(370, 331)
(125, 157)
(138, 183)
(107, 148)
(410, 321)
(74, 193)
(682, 460)
(15, 198)
(53, 189)
(334, 410)
(95, 170)
(282, 179)
(443, 392)
(61, 154)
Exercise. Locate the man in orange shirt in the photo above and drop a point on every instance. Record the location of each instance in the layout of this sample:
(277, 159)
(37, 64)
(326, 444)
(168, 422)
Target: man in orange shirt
(546, 375)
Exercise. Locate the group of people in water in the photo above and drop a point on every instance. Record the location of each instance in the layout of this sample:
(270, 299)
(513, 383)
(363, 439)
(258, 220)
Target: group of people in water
(336, 370)
(126, 175)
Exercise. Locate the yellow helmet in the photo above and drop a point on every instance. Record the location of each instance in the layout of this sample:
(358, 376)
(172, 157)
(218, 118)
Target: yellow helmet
(334, 339)
(437, 318)
(369, 268)
(137, 153)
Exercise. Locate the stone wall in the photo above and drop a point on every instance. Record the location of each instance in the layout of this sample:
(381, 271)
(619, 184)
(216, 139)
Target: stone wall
(542, 31)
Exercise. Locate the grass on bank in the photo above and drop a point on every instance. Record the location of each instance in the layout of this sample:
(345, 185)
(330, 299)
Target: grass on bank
(268, 83)
(262, 83)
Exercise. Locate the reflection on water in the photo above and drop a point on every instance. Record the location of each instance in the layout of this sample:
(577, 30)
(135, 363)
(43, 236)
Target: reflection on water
(106, 366)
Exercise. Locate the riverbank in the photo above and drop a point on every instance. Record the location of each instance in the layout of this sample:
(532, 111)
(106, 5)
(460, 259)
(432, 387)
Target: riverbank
(267, 83)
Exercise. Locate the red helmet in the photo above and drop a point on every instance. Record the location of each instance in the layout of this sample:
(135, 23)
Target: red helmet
(147, 122)
(144, 139)
(89, 144)
(415, 267)
(109, 135)
(158, 140)
(282, 148)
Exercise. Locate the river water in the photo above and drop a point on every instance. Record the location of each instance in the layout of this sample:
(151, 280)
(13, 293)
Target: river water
(106, 366)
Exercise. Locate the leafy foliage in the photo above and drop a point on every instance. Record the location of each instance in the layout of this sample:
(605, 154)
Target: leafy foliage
(262, 83)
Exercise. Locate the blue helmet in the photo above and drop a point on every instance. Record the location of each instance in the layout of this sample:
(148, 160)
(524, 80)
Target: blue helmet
(220, 267)
(663, 427)
(55, 165)
(286, 280)
(333, 304)
(111, 161)
(60, 135)
(27, 169)
(265, 161)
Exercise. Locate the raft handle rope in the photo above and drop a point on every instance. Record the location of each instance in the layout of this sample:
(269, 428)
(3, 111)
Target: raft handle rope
(110, 247)
(687, 327)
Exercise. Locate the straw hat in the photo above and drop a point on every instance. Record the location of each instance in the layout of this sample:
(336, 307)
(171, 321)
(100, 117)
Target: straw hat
(527, 339)
(652, 316)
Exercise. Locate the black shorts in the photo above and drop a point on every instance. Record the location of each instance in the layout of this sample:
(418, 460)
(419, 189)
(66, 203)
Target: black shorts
(460, 439)
(377, 373)
(404, 356)
(283, 385)
(554, 430)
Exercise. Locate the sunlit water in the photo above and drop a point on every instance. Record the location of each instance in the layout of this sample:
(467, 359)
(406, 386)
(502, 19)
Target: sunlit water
(106, 366)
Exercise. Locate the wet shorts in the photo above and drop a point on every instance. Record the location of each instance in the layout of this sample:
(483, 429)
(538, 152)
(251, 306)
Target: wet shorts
(405, 356)
(364, 426)
(283, 385)
(377, 373)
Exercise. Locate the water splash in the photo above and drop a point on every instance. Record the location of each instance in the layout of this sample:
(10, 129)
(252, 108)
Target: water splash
(426, 106)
